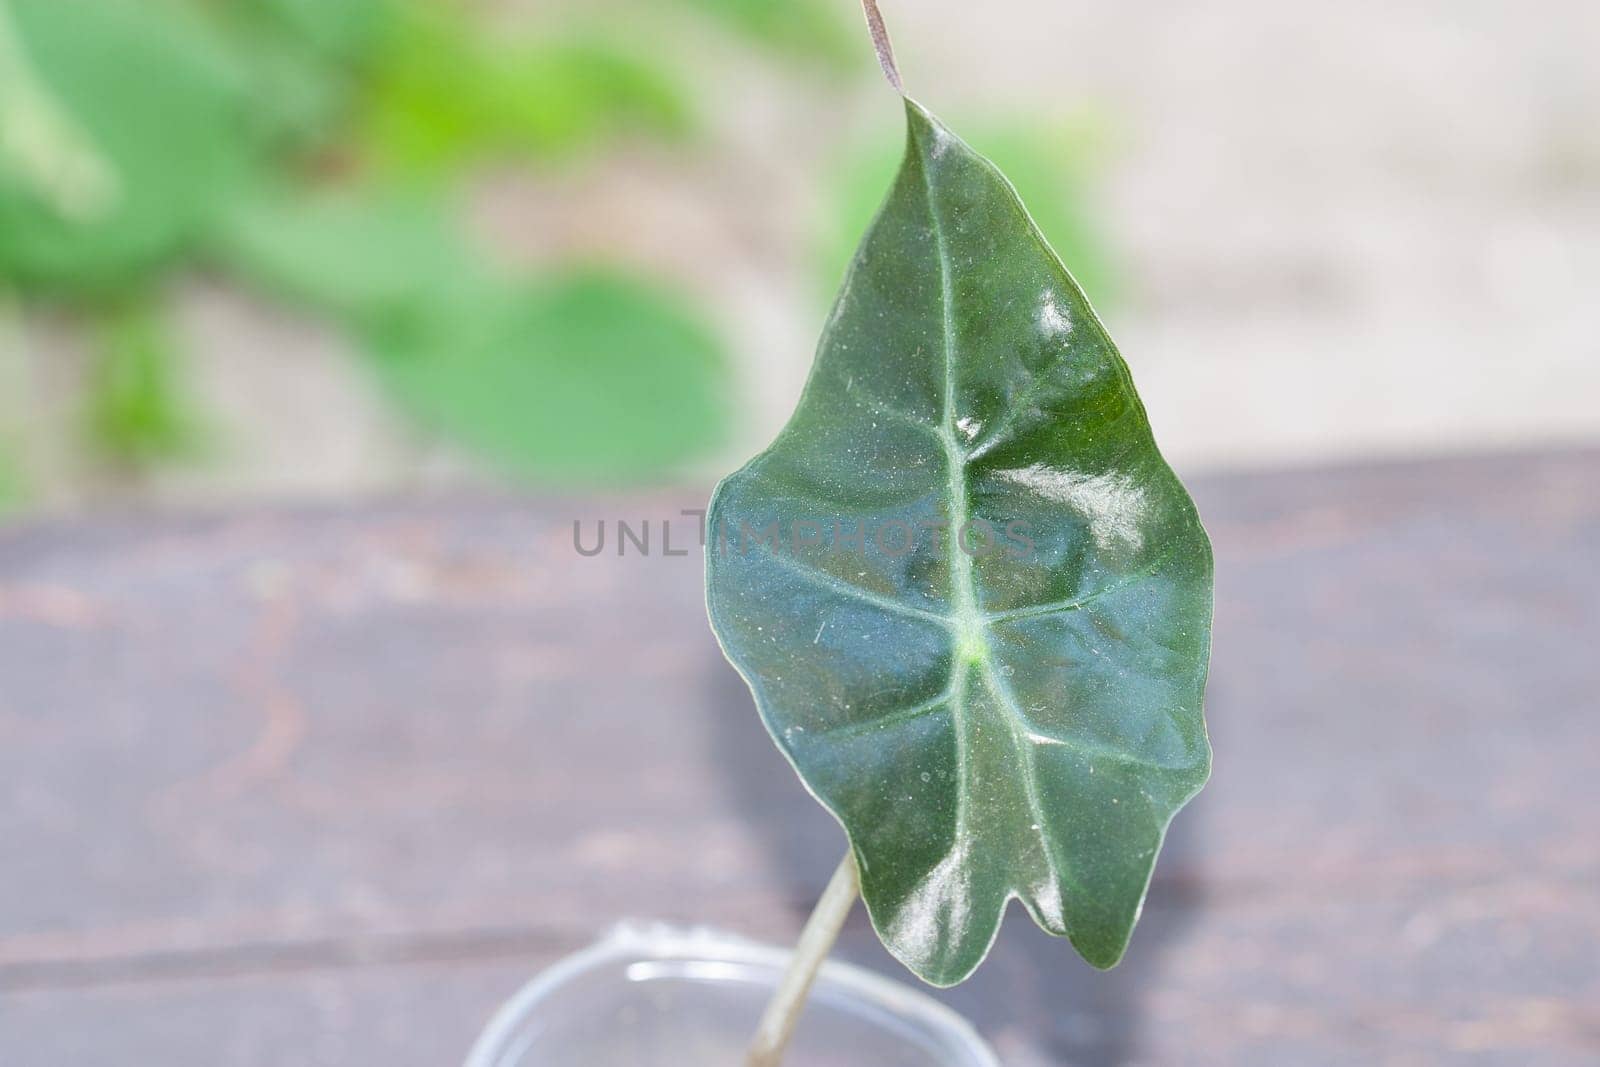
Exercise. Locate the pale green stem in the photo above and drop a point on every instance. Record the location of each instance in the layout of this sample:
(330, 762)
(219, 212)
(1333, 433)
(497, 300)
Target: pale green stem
(816, 941)
(827, 919)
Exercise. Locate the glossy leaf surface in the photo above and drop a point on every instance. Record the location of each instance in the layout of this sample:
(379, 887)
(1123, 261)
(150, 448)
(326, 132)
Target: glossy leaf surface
(1018, 715)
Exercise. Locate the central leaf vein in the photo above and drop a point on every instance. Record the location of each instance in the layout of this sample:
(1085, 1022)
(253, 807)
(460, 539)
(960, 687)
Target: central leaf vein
(971, 643)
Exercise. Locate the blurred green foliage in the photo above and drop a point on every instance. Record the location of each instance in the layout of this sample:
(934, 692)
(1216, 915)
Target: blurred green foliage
(809, 29)
(444, 95)
(267, 137)
(13, 375)
(511, 367)
(137, 411)
(315, 151)
(362, 256)
(303, 60)
(340, 31)
(13, 486)
(514, 373)
(151, 92)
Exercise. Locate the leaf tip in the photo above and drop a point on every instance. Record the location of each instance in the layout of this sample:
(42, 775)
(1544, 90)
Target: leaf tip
(929, 136)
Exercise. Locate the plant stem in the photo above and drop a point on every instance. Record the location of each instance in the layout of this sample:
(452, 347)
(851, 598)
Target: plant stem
(880, 44)
(816, 940)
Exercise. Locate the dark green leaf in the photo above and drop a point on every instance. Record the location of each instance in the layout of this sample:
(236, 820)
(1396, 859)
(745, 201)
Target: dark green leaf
(592, 377)
(1021, 721)
(152, 92)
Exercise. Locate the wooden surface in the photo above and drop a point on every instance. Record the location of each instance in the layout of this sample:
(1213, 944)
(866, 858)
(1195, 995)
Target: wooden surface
(322, 787)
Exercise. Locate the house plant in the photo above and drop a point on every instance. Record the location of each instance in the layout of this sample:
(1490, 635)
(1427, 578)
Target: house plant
(971, 600)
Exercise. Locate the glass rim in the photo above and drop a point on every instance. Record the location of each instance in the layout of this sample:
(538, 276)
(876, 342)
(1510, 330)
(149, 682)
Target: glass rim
(639, 942)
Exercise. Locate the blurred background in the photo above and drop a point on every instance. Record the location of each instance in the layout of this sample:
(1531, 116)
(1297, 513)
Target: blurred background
(296, 248)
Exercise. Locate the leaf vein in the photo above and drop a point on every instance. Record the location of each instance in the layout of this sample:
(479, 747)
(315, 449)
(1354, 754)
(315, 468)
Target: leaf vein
(817, 576)
(1011, 712)
(895, 717)
(960, 566)
(1061, 607)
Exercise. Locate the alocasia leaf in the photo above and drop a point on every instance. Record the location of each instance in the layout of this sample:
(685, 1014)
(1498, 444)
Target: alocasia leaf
(1011, 713)
(1049, 164)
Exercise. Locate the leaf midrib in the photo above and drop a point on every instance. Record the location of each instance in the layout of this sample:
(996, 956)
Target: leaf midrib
(971, 646)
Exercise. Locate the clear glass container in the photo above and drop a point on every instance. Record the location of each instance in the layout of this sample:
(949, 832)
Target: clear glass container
(655, 996)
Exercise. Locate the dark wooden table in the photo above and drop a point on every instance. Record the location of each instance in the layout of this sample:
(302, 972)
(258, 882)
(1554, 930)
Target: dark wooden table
(324, 786)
